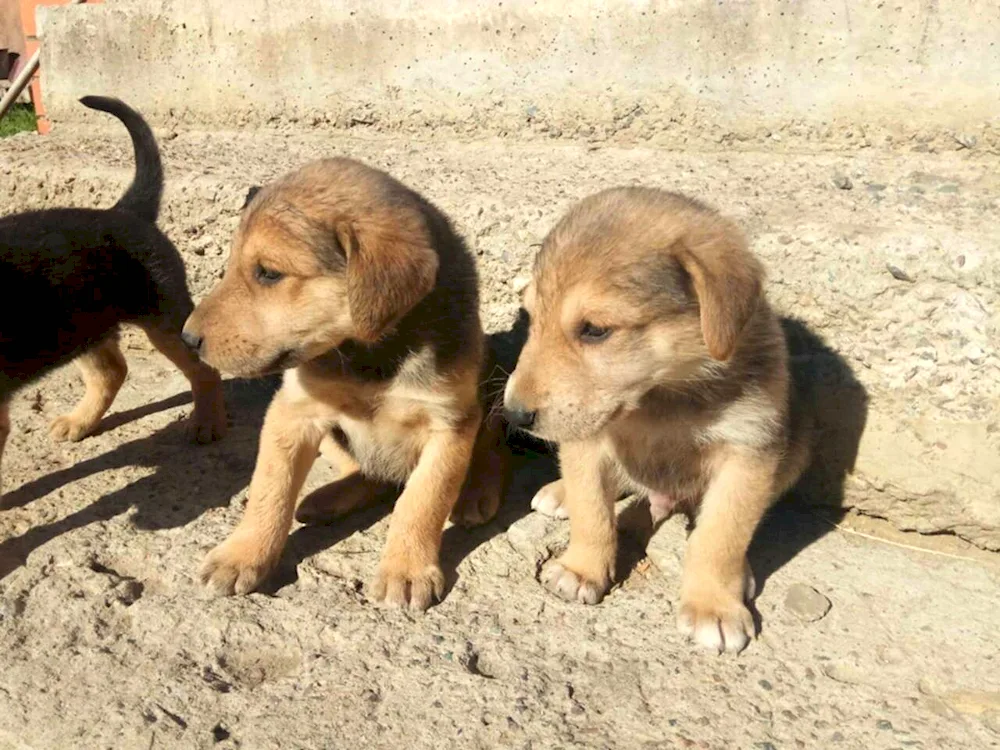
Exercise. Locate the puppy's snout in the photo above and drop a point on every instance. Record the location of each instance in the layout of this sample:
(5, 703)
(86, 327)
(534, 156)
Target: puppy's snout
(518, 416)
(192, 341)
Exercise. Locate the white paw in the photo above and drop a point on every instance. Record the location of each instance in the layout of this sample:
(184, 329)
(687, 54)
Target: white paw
(722, 626)
(571, 586)
(549, 500)
(716, 619)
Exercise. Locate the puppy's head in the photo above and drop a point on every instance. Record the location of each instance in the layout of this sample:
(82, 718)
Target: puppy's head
(633, 289)
(333, 251)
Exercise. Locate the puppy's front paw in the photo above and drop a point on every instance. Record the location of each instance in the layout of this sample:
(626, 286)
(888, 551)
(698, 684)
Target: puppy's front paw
(575, 582)
(405, 582)
(715, 617)
(239, 564)
(71, 427)
(549, 500)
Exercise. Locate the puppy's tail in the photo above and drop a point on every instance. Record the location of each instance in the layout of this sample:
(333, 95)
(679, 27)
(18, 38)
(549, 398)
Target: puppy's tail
(143, 196)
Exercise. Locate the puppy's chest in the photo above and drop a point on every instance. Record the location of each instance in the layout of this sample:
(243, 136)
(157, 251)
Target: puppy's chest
(668, 462)
(388, 445)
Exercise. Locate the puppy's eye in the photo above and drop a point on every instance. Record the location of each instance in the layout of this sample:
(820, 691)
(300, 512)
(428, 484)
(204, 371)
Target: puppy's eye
(267, 276)
(591, 334)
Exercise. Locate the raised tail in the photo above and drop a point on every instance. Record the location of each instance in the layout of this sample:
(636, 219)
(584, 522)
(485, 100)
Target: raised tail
(143, 196)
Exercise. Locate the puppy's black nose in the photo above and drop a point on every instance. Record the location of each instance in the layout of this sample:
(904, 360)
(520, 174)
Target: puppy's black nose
(520, 417)
(192, 340)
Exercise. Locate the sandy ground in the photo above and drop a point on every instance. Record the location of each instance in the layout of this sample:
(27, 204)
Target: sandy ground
(107, 641)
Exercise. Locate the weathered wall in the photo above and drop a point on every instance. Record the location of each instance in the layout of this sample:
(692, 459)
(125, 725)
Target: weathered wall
(671, 70)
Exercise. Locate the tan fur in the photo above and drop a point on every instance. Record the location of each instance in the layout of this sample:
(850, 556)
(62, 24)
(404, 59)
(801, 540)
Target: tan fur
(685, 399)
(369, 270)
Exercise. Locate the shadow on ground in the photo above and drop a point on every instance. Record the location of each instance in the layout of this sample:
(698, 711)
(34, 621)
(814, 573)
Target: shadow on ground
(828, 391)
(185, 483)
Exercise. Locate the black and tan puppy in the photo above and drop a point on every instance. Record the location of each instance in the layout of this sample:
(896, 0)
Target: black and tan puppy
(655, 362)
(71, 276)
(362, 293)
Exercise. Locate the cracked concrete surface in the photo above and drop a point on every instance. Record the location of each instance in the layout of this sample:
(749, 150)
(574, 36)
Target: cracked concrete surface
(107, 641)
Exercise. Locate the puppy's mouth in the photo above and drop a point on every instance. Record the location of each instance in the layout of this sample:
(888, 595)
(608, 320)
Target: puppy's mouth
(285, 360)
(555, 431)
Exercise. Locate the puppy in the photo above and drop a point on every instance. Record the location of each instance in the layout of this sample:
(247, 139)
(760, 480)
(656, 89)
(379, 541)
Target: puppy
(361, 292)
(655, 362)
(71, 276)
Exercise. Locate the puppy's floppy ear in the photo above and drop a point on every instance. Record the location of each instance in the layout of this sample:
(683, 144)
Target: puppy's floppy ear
(389, 270)
(727, 280)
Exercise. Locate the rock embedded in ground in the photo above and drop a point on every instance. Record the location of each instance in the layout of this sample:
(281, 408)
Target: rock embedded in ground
(806, 603)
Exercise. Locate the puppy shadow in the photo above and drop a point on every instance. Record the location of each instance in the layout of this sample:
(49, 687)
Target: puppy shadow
(829, 395)
(186, 480)
(532, 465)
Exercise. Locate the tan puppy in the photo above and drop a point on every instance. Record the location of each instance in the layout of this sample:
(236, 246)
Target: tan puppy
(656, 364)
(363, 294)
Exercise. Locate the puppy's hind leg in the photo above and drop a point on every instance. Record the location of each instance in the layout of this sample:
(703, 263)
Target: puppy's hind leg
(209, 421)
(351, 491)
(486, 480)
(103, 369)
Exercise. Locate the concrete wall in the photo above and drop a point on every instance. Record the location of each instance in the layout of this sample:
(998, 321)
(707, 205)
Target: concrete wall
(681, 71)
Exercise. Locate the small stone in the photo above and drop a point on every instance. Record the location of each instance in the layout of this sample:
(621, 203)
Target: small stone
(974, 353)
(966, 140)
(885, 726)
(898, 273)
(785, 239)
(520, 283)
(806, 602)
(220, 733)
(842, 181)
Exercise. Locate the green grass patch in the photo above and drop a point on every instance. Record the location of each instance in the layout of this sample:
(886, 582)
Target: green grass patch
(19, 119)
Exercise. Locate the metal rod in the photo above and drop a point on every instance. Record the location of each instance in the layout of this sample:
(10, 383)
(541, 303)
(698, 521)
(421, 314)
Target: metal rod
(24, 77)
(20, 82)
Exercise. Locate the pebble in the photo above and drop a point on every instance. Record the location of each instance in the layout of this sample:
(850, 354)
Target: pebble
(966, 140)
(806, 602)
(520, 283)
(898, 273)
(843, 182)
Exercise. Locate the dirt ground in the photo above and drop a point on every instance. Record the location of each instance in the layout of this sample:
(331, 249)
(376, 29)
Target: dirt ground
(106, 640)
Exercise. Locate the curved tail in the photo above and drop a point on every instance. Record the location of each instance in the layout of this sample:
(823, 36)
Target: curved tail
(143, 195)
